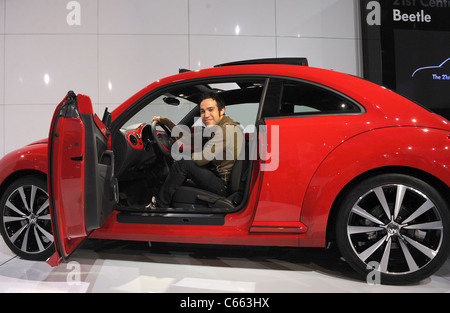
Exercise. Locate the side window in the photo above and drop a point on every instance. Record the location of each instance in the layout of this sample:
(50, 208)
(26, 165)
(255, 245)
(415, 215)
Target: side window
(180, 103)
(244, 113)
(300, 98)
(241, 98)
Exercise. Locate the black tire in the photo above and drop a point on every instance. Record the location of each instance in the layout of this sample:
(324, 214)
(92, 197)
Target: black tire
(391, 243)
(25, 223)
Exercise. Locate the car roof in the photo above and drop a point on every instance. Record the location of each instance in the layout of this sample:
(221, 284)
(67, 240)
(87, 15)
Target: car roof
(376, 99)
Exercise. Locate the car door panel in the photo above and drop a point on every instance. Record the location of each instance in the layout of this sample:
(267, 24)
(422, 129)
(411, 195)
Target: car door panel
(82, 186)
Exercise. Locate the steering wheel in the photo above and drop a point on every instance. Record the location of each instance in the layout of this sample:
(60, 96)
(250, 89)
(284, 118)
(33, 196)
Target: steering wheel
(163, 141)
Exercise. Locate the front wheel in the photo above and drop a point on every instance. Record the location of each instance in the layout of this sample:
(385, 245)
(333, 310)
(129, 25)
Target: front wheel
(394, 227)
(25, 222)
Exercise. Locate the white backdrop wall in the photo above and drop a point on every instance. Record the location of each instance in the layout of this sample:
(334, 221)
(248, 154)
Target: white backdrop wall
(109, 49)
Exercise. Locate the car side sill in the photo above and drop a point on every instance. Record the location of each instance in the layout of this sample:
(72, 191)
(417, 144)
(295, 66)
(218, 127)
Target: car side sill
(171, 218)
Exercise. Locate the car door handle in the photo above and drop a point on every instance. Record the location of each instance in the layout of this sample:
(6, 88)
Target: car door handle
(77, 159)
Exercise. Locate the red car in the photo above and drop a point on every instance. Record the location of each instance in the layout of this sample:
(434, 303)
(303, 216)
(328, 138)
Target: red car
(329, 158)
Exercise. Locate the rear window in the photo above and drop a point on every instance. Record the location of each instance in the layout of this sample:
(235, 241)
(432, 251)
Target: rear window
(299, 98)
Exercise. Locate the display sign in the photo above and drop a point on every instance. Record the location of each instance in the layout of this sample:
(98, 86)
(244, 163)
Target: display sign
(406, 47)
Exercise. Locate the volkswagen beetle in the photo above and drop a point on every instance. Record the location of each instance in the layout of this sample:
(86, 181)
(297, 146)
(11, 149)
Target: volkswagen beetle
(328, 157)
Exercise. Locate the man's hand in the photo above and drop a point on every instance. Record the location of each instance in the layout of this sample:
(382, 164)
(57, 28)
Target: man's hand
(156, 118)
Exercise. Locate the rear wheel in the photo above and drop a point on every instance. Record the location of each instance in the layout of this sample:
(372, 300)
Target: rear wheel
(25, 222)
(395, 227)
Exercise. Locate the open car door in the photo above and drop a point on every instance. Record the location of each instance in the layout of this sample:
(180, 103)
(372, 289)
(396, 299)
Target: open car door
(81, 183)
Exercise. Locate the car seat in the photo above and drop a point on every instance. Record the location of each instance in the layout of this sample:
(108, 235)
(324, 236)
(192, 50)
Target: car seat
(191, 197)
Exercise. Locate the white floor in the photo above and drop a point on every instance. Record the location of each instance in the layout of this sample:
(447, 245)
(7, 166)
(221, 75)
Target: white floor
(115, 266)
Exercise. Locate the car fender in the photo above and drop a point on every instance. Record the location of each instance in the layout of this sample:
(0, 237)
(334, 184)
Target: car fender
(31, 158)
(421, 148)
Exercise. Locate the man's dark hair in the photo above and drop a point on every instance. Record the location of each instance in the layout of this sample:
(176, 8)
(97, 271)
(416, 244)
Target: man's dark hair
(215, 96)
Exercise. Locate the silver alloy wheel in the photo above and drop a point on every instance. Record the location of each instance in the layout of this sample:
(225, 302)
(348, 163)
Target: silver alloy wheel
(27, 221)
(395, 227)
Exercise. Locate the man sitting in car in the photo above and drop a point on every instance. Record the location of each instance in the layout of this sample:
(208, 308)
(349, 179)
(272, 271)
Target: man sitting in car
(210, 168)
